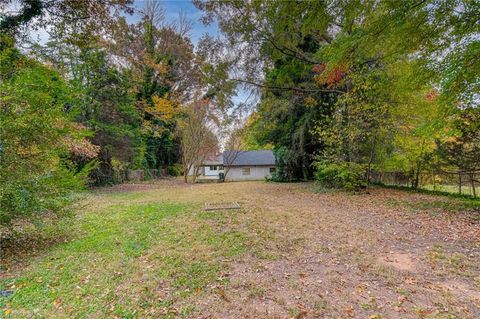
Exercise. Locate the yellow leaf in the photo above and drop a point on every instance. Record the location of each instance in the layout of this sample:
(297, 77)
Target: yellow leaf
(163, 108)
(7, 312)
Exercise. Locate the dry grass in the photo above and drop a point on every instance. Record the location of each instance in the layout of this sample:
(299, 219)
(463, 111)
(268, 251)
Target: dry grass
(149, 251)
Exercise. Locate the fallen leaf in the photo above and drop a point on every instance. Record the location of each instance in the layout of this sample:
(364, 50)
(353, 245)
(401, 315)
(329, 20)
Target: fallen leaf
(349, 311)
(222, 294)
(56, 303)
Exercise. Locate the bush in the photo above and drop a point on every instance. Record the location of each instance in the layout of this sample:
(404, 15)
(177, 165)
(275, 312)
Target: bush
(350, 176)
(32, 198)
(175, 170)
(36, 138)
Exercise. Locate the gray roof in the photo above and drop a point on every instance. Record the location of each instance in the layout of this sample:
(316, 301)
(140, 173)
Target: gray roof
(214, 160)
(248, 158)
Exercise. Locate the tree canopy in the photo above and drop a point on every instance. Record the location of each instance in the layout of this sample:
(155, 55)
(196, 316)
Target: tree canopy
(376, 83)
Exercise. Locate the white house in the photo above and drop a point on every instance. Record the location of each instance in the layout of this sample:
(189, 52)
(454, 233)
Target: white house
(238, 166)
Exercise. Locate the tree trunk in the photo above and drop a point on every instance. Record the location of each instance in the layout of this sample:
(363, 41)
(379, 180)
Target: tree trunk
(433, 180)
(226, 169)
(460, 183)
(416, 178)
(472, 182)
(370, 161)
(195, 173)
(186, 170)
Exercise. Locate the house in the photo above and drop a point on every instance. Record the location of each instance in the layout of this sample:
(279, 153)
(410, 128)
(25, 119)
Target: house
(210, 169)
(238, 166)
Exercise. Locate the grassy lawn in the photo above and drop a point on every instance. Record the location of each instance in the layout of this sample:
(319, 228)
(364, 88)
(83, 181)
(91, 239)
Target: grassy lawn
(150, 251)
(127, 258)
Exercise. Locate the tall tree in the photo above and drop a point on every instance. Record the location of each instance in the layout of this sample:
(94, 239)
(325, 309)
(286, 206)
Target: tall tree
(165, 73)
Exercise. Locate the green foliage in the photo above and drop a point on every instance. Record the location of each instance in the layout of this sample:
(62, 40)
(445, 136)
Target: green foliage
(32, 197)
(103, 103)
(280, 174)
(372, 83)
(462, 148)
(175, 170)
(344, 175)
(36, 178)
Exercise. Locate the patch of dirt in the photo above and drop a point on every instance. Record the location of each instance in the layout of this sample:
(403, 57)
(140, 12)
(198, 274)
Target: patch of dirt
(400, 261)
(324, 256)
(461, 289)
(329, 255)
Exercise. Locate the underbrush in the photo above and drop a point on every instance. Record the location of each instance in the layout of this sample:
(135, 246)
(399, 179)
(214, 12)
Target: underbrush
(342, 175)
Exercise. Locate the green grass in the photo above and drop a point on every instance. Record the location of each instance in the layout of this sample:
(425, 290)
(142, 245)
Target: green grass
(126, 261)
(445, 191)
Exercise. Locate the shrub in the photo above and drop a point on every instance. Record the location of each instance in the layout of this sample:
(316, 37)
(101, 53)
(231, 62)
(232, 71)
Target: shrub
(175, 170)
(36, 138)
(350, 176)
(32, 198)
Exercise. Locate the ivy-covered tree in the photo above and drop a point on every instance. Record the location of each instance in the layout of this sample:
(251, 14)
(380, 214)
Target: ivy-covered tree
(165, 74)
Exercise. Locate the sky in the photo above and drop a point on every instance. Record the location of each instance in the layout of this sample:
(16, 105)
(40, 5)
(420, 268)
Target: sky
(172, 12)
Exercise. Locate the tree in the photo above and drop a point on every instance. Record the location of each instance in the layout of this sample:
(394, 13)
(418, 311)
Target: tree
(461, 150)
(332, 68)
(234, 147)
(198, 142)
(104, 103)
(77, 20)
(164, 71)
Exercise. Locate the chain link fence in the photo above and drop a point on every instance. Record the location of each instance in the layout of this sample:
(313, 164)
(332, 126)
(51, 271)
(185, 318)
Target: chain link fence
(455, 182)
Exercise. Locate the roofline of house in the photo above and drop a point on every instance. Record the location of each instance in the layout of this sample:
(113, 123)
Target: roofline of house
(229, 165)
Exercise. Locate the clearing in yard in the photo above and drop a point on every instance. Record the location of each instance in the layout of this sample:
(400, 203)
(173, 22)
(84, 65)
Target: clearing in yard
(152, 251)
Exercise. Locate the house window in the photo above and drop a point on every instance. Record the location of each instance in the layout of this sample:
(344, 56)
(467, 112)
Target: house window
(220, 168)
(213, 168)
(272, 170)
(246, 171)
